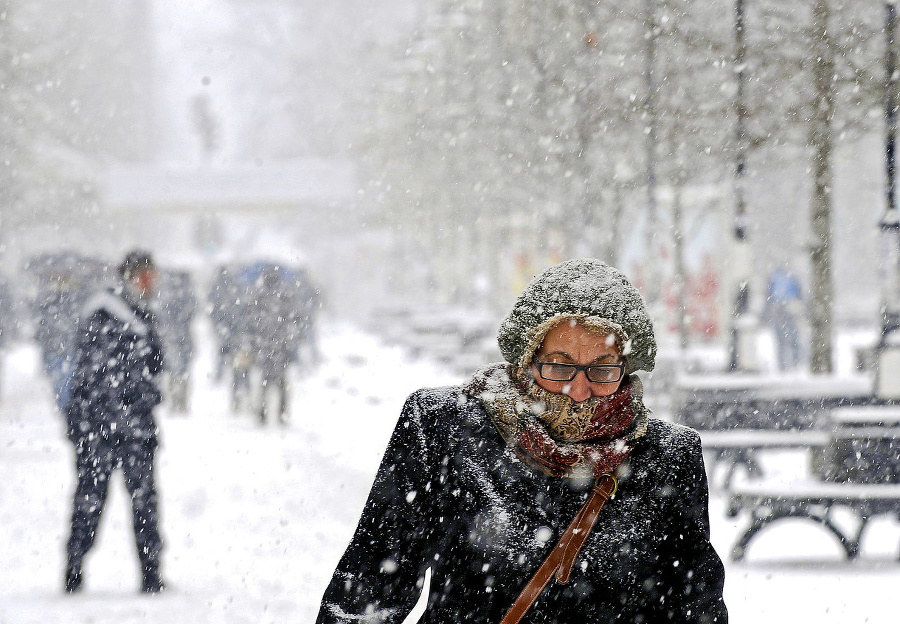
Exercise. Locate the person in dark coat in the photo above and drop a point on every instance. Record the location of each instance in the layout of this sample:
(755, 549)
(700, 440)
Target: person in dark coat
(275, 322)
(118, 355)
(8, 320)
(480, 481)
(310, 302)
(784, 305)
(56, 316)
(177, 305)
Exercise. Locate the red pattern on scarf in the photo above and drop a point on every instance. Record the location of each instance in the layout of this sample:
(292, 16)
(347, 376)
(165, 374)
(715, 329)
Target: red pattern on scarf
(602, 446)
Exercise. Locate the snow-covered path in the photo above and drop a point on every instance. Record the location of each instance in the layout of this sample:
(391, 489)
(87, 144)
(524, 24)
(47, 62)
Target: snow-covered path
(255, 518)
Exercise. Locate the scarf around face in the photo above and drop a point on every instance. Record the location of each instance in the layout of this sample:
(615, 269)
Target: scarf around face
(554, 434)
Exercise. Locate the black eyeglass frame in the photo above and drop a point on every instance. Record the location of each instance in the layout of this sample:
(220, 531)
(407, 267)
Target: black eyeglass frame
(575, 368)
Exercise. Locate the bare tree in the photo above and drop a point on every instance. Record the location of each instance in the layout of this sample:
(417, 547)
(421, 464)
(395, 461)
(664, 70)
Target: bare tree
(537, 121)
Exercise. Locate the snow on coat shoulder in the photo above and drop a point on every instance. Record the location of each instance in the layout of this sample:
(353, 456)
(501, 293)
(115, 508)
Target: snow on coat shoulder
(116, 307)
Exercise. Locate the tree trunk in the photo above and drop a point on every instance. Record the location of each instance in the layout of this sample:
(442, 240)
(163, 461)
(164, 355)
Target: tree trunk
(821, 140)
(650, 129)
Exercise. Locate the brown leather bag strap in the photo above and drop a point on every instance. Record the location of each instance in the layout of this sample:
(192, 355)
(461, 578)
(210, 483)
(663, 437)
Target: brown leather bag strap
(603, 490)
(562, 557)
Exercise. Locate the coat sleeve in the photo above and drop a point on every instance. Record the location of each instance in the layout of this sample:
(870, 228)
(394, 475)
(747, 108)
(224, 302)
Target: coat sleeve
(152, 352)
(380, 576)
(696, 575)
(93, 352)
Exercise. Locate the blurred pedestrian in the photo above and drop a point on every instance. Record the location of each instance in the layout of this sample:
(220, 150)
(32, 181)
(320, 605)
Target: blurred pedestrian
(227, 301)
(177, 305)
(480, 481)
(117, 356)
(56, 310)
(276, 320)
(784, 304)
(309, 302)
(8, 320)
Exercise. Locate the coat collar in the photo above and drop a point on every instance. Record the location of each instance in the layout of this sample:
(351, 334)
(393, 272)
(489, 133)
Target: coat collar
(120, 306)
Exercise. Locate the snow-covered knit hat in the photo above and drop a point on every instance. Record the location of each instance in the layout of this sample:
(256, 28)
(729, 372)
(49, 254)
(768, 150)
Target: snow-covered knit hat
(589, 290)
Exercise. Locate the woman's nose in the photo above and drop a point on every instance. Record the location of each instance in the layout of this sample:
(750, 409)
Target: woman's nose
(579, 389)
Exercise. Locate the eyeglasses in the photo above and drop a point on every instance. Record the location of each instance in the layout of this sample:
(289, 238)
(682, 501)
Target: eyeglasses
(595, 373)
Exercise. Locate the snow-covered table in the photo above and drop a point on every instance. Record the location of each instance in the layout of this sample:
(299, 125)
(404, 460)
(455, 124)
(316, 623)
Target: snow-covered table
(814, 500)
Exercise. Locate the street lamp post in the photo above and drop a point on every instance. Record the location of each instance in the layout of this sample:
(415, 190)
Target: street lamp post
(887, 369)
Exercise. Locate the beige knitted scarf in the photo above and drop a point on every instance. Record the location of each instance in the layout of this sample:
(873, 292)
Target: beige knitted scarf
(555, 434)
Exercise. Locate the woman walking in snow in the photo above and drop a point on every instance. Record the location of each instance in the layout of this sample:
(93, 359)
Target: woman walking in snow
(541, 490)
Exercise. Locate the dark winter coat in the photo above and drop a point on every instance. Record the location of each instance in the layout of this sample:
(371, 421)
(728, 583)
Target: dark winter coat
(118, 355)
(276, 324)
(177, 306)
(452, 496)
(57, 313)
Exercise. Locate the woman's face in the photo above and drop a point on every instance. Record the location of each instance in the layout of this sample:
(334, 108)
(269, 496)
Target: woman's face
(573, 343)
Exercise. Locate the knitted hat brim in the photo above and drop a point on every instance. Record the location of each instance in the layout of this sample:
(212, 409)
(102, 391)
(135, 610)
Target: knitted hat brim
(535, 336)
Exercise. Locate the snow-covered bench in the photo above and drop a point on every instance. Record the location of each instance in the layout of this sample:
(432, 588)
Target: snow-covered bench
(814, 500)
(710, 402)
(853, 444)
(864, 446)
(737, 448)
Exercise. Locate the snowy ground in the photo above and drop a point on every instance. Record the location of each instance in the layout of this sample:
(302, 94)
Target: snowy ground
(256, 518)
